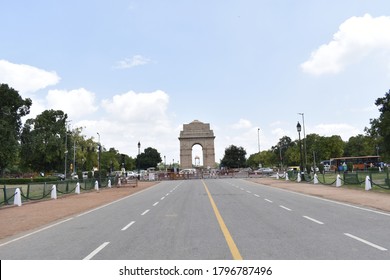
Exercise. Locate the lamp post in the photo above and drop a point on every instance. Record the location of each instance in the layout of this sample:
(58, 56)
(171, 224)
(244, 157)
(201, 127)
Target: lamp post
(99, 157)
(299, 128)
(304, 137)
(258, 138)
(139, 152)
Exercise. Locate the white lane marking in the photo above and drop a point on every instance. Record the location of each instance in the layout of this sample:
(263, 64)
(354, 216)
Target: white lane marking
(313, 220)
(163, 198)
(167, 194)
(270, 201)
(256, 195)
(34, 232)
(323, 199)
(241, 189)
(155, 203)
(365, 242)
(96, 251)
(129, 225)
(145, 212)
(285, 208)
(248, 191)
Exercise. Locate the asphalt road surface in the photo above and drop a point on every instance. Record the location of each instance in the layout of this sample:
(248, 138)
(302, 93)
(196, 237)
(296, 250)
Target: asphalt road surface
(215, 219)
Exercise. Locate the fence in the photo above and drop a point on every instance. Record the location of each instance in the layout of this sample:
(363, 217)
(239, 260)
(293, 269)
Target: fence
(378, 179)
(38, 191)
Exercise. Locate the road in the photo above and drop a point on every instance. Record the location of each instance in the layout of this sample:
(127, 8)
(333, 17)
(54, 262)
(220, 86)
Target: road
(211, 219)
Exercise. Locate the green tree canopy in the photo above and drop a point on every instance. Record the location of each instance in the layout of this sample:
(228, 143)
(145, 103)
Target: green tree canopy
(380, 127)
(12, 108)
(149, 158)
(235, 157)
(43, 141)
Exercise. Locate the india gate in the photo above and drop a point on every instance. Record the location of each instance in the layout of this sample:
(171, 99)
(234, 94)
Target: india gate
(197, 133)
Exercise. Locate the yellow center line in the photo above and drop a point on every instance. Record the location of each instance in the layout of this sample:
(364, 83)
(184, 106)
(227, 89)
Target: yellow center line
(229, 239)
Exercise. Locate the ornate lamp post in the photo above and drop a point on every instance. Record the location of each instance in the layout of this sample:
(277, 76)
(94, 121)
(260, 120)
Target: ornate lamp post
(299, 128)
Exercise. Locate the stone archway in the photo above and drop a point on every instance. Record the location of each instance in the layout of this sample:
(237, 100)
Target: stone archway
(194, 133)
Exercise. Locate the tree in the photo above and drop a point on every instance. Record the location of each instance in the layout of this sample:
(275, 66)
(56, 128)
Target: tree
(380, 127)
(234, 157)
(360, 145)
(12, 108)
(43, 141)
(149, 158)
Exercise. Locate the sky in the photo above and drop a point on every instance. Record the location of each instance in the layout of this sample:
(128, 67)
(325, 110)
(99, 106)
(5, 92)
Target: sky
(136, 71)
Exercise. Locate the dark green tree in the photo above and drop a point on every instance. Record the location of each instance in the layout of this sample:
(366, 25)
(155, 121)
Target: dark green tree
(235, 157)
(43, 141)
(360, 145)
(149, 158)
(380, 127)
(12, 108)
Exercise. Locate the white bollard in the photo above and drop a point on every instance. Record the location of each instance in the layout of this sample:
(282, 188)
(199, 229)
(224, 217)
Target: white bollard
(54, 192)
(286, 176)
(299, 177)
(277, 175)
(368, 183)
(315, 179)
(77, 188)
(338, 181)
(96, 185)
(109, 183)
(17, 197)
(119, 182)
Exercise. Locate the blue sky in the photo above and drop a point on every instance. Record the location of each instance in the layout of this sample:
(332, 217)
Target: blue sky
(138, 70)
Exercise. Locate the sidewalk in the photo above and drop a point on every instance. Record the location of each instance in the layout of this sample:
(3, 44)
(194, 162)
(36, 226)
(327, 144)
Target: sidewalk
(370, 199)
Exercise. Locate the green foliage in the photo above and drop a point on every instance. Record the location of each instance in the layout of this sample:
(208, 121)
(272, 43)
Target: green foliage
(149, 158)
(12, 108)
(42, 145)
(380, 127)
(234, 157)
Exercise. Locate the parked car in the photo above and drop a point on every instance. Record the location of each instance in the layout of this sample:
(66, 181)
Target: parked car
(264, 170)
(74, 176)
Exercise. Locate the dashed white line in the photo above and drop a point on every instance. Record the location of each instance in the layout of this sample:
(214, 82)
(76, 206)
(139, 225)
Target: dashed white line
(155, 203)
(248, 191)
(144, 213)
(256, 195)
(365, 242)
(285, 208)
(96, 251)
(313, 220)
(163, 198)
(270, 201)
(129, 225)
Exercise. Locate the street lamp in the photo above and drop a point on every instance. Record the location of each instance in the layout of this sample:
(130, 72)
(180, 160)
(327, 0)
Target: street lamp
(258, 138)
(139, 152)
(299, 128)
(304, 136)
(99, 157)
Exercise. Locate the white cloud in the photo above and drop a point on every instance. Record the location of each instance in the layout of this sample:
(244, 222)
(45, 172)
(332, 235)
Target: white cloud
(138, 107)
(344, 130)
(136, 60)
(76, 103)
(356, 38)
(25, 78)
(242, 124)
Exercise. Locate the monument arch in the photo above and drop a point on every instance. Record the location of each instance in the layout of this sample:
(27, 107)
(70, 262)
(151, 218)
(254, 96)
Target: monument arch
(197, 133)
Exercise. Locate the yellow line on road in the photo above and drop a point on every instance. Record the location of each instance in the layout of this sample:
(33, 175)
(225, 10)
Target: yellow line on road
(229, 239)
